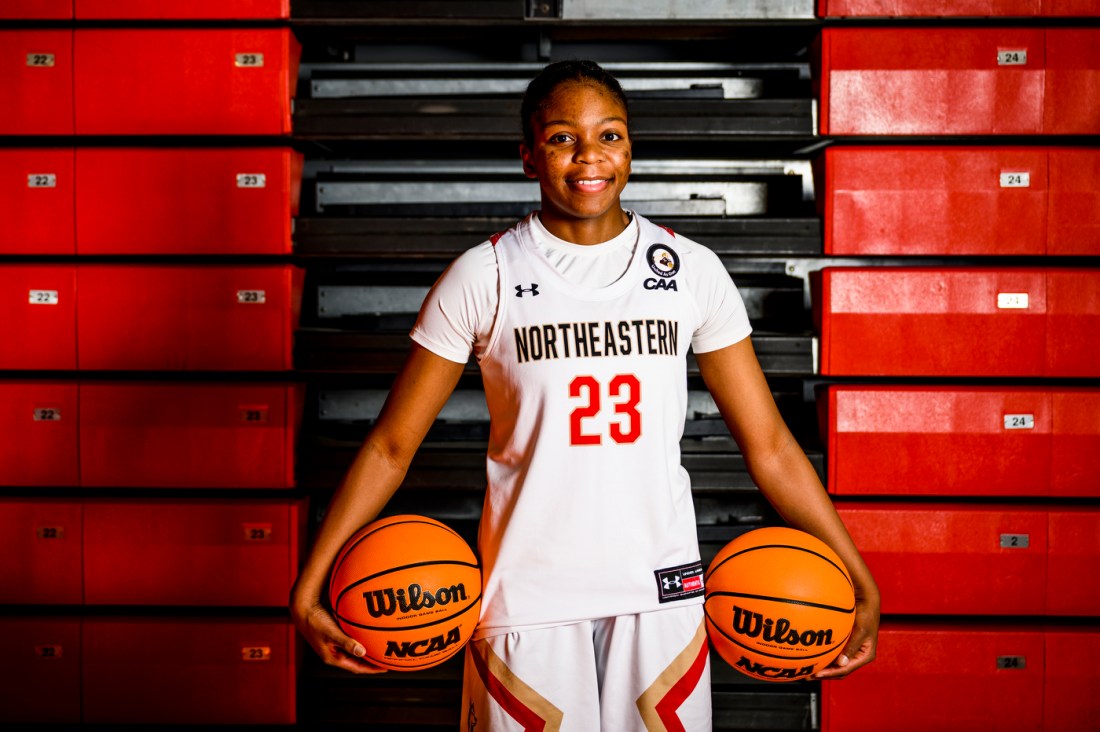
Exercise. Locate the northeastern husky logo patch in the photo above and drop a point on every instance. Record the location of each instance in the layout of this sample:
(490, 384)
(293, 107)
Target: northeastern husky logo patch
(663, 260)
(679, 583)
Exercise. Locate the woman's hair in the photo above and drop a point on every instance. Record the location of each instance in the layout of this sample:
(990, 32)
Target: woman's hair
(560, 72)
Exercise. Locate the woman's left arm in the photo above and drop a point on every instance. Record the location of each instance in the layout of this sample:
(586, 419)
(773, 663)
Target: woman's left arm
(780, 468)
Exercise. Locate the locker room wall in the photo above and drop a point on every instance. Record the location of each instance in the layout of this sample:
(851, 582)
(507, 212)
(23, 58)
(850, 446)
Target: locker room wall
(210, 268)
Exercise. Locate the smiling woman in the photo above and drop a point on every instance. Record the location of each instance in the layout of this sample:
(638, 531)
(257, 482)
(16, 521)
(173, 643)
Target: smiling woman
(581, 317)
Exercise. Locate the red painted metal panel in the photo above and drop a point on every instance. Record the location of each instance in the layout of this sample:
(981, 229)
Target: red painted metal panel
(1074, 554)
(36, 82)
(1071, 8)
(1075, 443)
(1070, 701)
(38, 330)
(185, 82)
(182, 9)
(924, 321)
(38, 433)
(41, 669)
(953, 559)
(189, 670)
(1074, 201)
(193, 552)
(943, 677)
(939, 441)
(36, 201)
(36, 9)
(926, 8)
(1071, 103)
(924, 81)
(40, 546)
(187, 200)
(935, 200)
(1073, 320)
(188, 435)
(187, 317)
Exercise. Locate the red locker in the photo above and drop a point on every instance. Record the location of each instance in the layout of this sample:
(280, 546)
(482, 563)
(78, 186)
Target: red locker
(210, 82)
(36, 201)
(940, 441)
(1072, 93)
(1070, 701)
(953, 559)
(1073, 320)
(927, 8)
(1074, 217)
(40, 540)
(160, 435)
(190, 552)
(1075, 444)
(245, 199)
(39, 422)
(38, 330)
(182, 9)
(187, 317)
(41, 661)
(936, 201)
(36, 82)
(932, 81)
(189, 670)
(943, 677)
(1071, 8)
(1074, 553)
(924, 321)
(36, 9)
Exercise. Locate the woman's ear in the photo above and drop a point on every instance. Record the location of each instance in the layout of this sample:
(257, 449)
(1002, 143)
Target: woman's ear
(528, 166)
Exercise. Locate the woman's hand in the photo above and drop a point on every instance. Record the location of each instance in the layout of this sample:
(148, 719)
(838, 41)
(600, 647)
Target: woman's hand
(333, 646)
(861, 646)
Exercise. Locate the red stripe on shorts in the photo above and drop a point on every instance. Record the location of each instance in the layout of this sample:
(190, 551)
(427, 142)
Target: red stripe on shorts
(516, 709)
(681, 690)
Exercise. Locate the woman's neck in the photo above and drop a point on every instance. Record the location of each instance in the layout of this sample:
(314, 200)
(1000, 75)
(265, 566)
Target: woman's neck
(586, 231)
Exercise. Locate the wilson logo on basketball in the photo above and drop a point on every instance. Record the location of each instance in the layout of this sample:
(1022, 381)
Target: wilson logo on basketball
(386, 602)
(777, 631)
(425, 647)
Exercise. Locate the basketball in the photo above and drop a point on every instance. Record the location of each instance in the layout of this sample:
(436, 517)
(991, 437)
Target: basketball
(408, 588)
(779, 604)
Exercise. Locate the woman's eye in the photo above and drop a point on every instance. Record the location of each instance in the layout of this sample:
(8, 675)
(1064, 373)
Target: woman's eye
(559, 139)
(612, 136)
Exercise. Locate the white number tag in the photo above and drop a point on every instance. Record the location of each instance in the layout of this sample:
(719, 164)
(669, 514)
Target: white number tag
(40, 60)
(251, 297)
(1012, 58)
(1019, 421)
(47, 414)
(251, 180)
(1012, 300)
(43, 297)
(257, 532)
(249, 60)
(42, 180)
(1015, 180)
(256, 653)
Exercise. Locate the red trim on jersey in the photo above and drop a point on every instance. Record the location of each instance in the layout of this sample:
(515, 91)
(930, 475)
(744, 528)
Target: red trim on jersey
(496, 237)
(670, 231)
(680, 691)
(516, 709)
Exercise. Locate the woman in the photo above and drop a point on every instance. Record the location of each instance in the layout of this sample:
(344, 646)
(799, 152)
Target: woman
(580, 317)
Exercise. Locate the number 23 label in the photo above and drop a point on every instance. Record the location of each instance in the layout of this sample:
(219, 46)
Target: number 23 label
(624, 391)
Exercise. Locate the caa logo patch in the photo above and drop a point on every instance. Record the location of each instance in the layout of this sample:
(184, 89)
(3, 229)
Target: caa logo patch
(663, 260)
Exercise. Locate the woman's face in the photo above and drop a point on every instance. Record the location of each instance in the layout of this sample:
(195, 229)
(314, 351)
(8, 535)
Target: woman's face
(580, 155)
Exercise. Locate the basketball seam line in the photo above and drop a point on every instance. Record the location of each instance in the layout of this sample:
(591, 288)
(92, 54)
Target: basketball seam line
(428, 563)
(790, 601)
(473, 603)
(842, 571)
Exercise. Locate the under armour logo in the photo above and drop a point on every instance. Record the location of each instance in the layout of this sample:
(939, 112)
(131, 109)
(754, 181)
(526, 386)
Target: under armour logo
(672, 582)
(533, 289)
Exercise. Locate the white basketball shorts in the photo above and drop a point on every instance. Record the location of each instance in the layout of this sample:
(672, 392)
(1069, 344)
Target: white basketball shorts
(642, 673)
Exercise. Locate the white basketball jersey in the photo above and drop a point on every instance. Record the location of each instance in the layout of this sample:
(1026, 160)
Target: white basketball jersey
(588, 512)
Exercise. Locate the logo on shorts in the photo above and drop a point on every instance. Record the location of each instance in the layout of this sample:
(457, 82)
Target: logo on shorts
(662, 260)
(679, 583)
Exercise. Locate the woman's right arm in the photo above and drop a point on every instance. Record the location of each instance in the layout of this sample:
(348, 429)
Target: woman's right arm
(419, 392)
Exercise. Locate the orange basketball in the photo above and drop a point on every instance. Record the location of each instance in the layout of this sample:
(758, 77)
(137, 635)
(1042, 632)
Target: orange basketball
(779, 604)
(409, 589)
